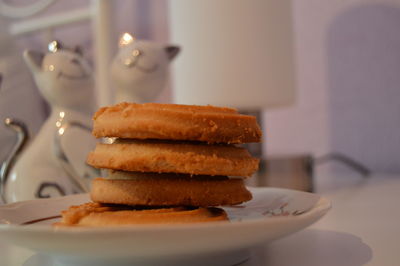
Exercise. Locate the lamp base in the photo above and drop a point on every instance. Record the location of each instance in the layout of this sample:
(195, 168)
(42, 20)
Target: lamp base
(292, 172)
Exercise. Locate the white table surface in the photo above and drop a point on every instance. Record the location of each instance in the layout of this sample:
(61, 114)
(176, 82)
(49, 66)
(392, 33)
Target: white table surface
(362, 228)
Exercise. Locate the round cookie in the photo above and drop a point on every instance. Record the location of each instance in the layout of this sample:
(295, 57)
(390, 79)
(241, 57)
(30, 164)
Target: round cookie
(175, 122)
(166, 191)
(100, 215)
(173, 157)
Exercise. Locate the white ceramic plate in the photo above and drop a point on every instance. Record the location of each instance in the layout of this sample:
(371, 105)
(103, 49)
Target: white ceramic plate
(273, 213)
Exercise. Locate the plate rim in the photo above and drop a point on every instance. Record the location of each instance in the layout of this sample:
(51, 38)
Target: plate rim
(320, 208)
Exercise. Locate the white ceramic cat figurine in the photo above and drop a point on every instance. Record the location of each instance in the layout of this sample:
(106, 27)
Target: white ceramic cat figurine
(65, 80)
(139, 70)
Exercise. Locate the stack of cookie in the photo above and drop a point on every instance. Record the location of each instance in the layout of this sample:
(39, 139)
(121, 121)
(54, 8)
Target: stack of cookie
(167, 155)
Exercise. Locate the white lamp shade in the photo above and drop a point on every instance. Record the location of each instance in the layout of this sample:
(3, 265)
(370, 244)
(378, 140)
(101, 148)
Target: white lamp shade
(234, 52)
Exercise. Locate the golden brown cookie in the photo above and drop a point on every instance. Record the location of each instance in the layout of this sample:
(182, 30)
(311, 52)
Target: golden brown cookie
(100, 215)
(175, 122)
(159, 190)
(173, 157)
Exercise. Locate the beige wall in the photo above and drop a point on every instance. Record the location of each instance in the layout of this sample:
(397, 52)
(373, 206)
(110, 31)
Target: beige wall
(311, 126)
(348, 92)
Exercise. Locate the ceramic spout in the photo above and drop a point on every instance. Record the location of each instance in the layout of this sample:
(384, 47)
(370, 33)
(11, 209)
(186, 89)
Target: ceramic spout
(22, 139)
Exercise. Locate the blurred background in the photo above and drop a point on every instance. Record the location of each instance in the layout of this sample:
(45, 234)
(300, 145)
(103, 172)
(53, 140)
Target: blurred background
(335, 67)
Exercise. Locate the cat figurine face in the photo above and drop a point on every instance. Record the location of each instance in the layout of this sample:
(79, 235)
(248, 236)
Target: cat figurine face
(64, 77)
(139, 70)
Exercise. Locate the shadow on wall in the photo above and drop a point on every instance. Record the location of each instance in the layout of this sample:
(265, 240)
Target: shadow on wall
(363, 49)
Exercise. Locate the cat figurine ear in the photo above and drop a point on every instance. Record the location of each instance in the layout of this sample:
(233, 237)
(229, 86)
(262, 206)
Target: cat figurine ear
(139, 69)
(172, 51)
